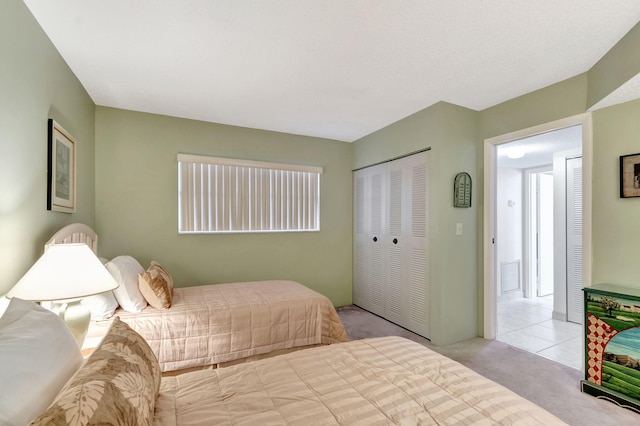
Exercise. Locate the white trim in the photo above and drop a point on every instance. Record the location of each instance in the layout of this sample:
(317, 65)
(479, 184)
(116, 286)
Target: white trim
(490, 294)
(488, 220)
(206, 159)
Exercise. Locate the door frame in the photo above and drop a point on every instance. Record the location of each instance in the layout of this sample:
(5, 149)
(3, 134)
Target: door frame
(489, 208)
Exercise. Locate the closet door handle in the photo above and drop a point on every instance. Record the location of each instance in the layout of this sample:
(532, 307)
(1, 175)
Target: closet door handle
(395, 241)
(375, 239)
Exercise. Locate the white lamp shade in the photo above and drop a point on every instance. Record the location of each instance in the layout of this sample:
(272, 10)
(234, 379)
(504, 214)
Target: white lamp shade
(64, 271)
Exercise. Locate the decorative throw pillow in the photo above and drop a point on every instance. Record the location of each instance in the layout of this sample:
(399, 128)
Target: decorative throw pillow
(38, 355)
(118, 384)
(125, 270)
(156, 285)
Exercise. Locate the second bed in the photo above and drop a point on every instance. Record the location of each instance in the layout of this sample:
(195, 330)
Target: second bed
(219, 324)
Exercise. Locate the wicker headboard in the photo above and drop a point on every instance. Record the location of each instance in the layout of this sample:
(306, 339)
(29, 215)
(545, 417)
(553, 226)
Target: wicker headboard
(75, 233)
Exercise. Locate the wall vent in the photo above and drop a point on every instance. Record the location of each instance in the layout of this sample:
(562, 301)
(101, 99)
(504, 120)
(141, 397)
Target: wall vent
(510, 276)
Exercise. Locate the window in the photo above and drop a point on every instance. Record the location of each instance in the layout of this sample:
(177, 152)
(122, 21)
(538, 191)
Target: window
(217, 195)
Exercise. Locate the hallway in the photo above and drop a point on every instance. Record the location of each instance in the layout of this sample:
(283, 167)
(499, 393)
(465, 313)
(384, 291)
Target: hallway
(527, 324)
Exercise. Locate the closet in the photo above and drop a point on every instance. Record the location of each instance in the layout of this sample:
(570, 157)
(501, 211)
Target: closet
(390, 244)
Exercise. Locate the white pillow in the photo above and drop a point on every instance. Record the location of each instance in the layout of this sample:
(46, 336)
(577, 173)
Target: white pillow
(38, 355)
(102, 306)
(125, 270)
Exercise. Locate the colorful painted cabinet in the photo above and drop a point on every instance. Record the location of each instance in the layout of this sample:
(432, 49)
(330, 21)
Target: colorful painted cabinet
(612, 344)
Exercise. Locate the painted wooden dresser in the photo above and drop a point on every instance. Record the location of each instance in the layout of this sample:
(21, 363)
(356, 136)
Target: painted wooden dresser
(612, 344)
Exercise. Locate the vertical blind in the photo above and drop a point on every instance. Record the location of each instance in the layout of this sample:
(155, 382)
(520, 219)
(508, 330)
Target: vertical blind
(218, 195)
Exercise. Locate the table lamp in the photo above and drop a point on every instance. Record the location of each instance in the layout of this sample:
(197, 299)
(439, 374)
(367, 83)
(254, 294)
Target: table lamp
(64, 274)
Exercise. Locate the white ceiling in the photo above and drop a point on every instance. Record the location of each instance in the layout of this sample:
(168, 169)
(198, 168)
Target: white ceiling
(538, 149)
(335, 69)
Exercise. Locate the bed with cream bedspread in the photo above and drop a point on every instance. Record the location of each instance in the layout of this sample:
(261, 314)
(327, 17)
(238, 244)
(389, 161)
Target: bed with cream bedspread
(215, 324)
(388, 380)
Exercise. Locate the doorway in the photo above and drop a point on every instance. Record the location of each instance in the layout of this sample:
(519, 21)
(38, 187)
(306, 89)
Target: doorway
(531, 312)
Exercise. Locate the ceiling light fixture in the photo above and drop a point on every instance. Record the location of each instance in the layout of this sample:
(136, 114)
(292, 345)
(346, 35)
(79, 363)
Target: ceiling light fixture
(514, 153)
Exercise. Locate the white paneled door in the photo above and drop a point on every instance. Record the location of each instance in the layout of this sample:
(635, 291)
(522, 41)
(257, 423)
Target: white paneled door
(391, 258)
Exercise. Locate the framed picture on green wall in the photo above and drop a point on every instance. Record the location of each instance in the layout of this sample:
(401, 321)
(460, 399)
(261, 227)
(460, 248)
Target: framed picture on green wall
(61, 169)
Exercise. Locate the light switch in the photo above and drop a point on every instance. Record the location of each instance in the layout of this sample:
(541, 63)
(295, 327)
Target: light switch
(458, 229)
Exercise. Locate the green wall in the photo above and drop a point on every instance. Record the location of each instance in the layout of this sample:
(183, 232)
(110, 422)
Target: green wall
(136, 197)
(616, 234)
(36, 84)
(564, 99)
(618, 66)
(451, 133)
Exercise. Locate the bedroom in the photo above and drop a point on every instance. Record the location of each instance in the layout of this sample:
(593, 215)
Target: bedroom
(116, 144)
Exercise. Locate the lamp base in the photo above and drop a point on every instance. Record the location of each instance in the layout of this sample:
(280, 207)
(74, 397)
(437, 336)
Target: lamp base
(76, 316)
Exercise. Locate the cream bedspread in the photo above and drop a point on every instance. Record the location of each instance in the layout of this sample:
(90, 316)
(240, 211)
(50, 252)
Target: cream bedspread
(213, 324)
(388, 380)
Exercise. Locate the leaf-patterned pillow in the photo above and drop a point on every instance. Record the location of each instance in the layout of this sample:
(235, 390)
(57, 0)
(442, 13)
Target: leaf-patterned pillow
(118, 384)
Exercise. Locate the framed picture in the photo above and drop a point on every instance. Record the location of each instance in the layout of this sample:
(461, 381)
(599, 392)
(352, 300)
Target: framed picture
(630, 176)
(61, 170)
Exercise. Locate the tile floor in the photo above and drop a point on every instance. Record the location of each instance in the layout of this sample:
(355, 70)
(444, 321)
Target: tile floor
(527, 324)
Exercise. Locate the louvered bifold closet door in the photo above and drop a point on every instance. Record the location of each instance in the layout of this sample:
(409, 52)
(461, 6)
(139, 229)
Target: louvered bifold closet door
(575, 303)
(391, 254)
(408, 285)
(369, 266)
(394, 242)
(418, 282)
(377, 263)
